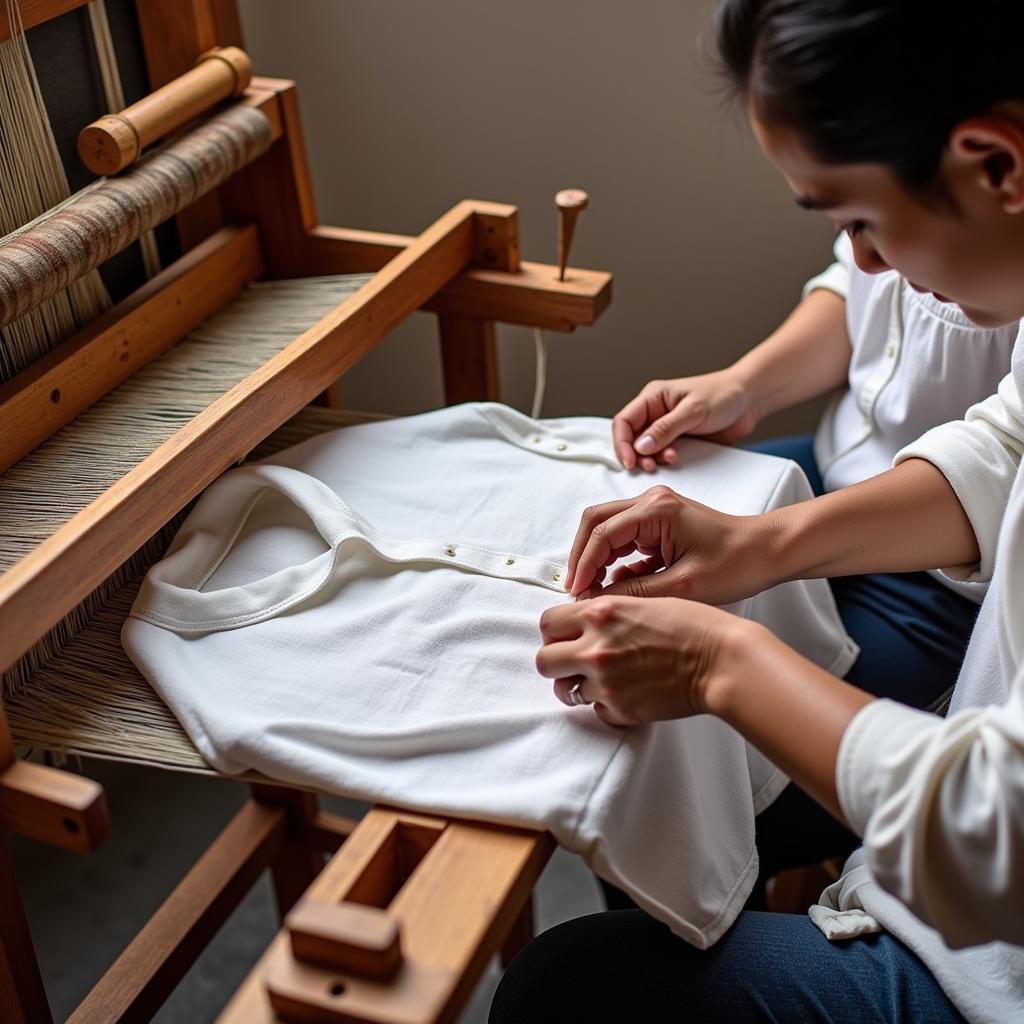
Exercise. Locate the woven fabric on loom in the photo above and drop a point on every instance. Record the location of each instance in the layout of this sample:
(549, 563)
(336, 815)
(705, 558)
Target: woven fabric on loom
(47, 257)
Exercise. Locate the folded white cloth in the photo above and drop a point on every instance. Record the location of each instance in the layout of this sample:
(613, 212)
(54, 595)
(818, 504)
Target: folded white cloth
(361, 616)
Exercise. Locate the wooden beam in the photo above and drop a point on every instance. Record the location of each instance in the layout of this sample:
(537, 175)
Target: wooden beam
(532, 296)
(174, 33)
(453, 911)
(469, 360)
(49, 582)
(145, 974)
(35, 12)
(331, 830)
(53, 806)
(36, 403)
(22, 995)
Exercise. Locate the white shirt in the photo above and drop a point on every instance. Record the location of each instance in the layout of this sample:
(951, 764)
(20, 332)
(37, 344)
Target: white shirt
(940, 802)
(360, 616)
(915, 363)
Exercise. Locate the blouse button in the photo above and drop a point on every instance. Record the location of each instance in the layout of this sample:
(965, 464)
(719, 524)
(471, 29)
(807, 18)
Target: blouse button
(561, 447)
(510, 561)
(450, 551)
(890, 350)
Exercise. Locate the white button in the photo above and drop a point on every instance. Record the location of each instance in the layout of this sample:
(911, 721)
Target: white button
(510, 561)
(536, 440)
(561, 447)
(450, 551)
(890, 350)
(557, 576)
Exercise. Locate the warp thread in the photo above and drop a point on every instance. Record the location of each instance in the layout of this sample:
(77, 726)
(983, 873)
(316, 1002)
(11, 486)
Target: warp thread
(37, 263)
(51, 484)
(32, 181)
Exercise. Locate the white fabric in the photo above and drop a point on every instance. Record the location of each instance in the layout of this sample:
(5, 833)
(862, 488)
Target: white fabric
(940, 802)
(361, 617)
(915, 363)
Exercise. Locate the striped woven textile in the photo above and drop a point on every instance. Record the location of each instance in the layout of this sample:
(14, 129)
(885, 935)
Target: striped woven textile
(46, 258)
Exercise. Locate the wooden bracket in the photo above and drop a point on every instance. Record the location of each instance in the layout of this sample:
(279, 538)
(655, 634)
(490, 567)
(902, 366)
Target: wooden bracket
(53, 806)
(406, 914)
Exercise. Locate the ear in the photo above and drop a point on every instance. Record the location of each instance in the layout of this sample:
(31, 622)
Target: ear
(991, 149)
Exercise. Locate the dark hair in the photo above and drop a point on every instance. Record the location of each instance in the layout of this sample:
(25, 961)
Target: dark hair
(874, 81)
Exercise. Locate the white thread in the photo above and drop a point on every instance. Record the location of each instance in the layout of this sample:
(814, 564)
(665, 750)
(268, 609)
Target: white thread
(540, 379)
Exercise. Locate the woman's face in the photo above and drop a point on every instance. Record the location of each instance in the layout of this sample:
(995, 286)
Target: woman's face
(973, 256)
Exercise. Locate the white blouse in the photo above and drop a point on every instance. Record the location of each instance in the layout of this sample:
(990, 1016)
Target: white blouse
(940, 802)
(915, 363)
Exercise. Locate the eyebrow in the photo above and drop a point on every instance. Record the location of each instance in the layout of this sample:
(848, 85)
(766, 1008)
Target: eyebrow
(817, 203)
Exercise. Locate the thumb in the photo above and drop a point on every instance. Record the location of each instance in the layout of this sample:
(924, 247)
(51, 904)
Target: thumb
(639, 580)
(689, 413)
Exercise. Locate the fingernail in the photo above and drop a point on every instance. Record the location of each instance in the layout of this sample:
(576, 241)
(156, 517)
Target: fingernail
(646, 445)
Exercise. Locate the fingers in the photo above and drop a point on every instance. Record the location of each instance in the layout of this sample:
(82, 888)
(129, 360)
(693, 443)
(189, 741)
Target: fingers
(562, 659)
(563, 622)
(649, 405)
(615, 533)
(642, 579)
(590, 519)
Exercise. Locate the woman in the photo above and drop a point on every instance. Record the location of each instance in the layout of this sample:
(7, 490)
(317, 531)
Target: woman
(904, 123)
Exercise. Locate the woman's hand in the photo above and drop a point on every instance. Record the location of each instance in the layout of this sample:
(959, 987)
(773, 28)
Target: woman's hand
(689, 550)
(641, 660)
(714, 406)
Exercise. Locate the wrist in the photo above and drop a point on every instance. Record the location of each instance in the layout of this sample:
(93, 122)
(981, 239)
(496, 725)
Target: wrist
(740, 660)
(743, 376)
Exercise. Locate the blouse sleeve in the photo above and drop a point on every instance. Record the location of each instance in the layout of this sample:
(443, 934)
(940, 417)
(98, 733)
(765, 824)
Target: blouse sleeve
(940, 804)
(837, 277)
(979, 455)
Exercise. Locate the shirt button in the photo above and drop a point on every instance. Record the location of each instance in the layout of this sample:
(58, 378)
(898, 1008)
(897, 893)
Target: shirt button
(890, 350)
(450, 551)
(536, 440)
(561, 447)
(510, 561)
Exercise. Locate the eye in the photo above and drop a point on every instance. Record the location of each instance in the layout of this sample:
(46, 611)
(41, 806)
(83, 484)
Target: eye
(854, 228)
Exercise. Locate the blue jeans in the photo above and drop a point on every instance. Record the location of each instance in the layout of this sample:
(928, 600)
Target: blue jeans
(623, 967)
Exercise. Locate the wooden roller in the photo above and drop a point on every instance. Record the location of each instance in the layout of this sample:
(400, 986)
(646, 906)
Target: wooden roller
(116, 140)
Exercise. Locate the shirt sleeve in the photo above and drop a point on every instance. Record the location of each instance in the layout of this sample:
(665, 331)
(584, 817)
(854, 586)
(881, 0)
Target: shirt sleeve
(979, 456)
(837, 277)
(940, 804)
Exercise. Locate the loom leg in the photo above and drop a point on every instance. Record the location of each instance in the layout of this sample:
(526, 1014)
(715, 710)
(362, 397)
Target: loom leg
(22, 995)
(521, 932)
(299, 861)
(469, 359)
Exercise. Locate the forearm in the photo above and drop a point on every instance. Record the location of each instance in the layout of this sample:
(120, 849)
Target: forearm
(905, 520)
(807, 356)
(793, 712)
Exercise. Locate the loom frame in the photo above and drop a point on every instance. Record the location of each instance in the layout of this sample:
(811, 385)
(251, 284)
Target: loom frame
(465, 269)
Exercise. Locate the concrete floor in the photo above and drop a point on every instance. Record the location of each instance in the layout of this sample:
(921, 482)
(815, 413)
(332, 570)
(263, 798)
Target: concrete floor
(84, 910)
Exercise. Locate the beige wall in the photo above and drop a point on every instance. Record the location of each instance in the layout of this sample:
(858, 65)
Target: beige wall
(411, 105)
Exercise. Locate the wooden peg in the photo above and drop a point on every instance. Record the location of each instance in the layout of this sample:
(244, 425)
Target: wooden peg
(362, 940)
(570, 203)
(113, 142)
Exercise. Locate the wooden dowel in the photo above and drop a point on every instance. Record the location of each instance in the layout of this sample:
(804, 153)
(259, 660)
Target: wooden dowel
(115, 141)
(571, 202)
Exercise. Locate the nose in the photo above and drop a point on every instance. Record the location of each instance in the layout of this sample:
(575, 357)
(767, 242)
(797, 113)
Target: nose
(866, 256)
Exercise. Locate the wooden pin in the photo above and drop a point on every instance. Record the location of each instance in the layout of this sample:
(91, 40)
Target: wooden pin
(570, 202)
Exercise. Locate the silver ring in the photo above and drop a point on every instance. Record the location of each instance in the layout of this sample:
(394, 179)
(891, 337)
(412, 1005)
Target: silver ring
(575, 696)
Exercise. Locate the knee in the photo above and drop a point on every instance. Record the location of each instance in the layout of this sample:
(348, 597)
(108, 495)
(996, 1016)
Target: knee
(548, 980)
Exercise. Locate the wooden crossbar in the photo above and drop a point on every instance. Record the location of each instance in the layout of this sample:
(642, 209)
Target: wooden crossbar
(455, 891)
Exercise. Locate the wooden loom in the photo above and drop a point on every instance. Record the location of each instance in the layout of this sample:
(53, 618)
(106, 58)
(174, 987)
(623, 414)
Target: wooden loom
(400, 923)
